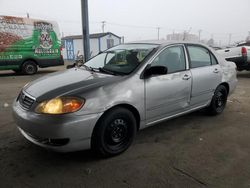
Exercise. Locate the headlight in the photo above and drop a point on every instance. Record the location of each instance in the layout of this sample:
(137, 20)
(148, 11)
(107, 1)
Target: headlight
(60, 105)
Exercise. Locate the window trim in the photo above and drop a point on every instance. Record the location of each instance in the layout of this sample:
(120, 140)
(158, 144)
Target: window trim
(216, 61)
(169, 46)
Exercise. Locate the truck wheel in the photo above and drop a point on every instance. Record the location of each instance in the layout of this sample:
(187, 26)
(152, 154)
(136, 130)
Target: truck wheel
(114, 132)
(219, 100)
(29, 67)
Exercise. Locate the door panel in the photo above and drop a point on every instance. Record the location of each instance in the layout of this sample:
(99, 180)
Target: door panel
(206, 74)
(167, 95)
(70, 49)
(205, 81)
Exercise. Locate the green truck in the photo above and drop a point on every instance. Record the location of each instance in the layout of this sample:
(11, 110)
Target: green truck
(26, 44)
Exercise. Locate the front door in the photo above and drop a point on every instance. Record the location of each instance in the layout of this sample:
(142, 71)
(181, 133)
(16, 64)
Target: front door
(168, 94)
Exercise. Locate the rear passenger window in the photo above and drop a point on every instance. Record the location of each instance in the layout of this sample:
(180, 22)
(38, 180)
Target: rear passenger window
(199, 56)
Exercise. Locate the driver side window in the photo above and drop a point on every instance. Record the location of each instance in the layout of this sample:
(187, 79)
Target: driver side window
(173, 58)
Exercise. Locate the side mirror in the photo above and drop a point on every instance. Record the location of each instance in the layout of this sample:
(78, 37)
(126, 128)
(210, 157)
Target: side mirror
(154, 70)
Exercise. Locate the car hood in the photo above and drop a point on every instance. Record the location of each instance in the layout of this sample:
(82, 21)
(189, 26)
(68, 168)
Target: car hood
(69, 82)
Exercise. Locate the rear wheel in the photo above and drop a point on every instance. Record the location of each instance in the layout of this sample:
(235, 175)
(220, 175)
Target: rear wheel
(29, 67)
(219, 100)
(114, 132)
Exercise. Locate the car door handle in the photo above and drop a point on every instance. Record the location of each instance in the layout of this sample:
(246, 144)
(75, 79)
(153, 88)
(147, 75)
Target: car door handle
(216, 71)
(186, 77)
(227, 50)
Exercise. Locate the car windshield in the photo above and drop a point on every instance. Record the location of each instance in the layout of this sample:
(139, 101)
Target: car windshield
(122, 59)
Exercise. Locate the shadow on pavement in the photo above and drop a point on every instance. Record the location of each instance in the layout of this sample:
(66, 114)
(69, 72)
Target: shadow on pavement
(243, 74)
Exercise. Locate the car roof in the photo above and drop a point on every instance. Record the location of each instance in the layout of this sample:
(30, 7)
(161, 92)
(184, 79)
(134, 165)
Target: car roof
(164, 42)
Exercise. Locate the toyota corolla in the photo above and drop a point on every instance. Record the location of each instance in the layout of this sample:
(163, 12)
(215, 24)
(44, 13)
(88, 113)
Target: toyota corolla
(103, 103)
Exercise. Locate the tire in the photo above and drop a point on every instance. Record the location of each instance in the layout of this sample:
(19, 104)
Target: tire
(29, 68)
(114, 132)
(219, 101)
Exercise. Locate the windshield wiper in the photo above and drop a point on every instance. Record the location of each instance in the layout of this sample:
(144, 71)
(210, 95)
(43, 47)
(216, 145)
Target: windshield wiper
(100, 69)
(91, 68)
(106, 71)
(86, 67)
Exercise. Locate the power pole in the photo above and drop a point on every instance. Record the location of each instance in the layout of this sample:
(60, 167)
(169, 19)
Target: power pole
(229, 39)
(158, 29)
(103, 25)
(85, 29)
(185, 34)
(200, 35)
(28, 15)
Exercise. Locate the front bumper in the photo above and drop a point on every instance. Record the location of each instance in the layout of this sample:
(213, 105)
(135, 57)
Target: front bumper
(62, 133)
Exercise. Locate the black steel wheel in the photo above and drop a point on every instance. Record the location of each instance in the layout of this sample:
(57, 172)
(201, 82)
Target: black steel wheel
(114, 132)
(219, 100)
(29, 67)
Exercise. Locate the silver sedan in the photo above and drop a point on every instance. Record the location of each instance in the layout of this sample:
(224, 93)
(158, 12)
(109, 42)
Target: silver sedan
(103, 103)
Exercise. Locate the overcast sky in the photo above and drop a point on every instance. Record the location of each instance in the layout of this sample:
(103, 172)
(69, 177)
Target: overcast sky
(138, 19)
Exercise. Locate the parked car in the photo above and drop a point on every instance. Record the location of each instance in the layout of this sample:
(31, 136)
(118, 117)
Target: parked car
(103, 103)
(240, 55)
(26, 44)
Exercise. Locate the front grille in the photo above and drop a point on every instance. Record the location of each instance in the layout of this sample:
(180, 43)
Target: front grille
(25, 101)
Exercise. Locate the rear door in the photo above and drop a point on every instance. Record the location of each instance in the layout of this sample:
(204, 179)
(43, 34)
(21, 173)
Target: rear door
(206, 74)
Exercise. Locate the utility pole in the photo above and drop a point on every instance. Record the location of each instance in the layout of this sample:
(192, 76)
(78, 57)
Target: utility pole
(158, 29)
(200, 35)
(28, 15)
(103, 25)
(229, 39)
(85, 29)
(173, 36)
(186, 33)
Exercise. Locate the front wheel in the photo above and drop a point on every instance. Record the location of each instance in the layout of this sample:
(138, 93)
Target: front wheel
(219, 100)
(114, 132)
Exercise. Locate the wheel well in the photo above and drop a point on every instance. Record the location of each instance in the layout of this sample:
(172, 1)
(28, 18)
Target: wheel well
(131, 109)
(30, 59)
(226, 86)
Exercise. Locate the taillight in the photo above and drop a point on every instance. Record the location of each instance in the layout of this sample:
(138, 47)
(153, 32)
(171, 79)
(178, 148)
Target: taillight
(244, 51)
(61, 52)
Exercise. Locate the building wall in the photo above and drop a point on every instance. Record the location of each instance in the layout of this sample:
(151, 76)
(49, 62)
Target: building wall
(180, 37)
(104, 41)
(96, 45)
(78, 46)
